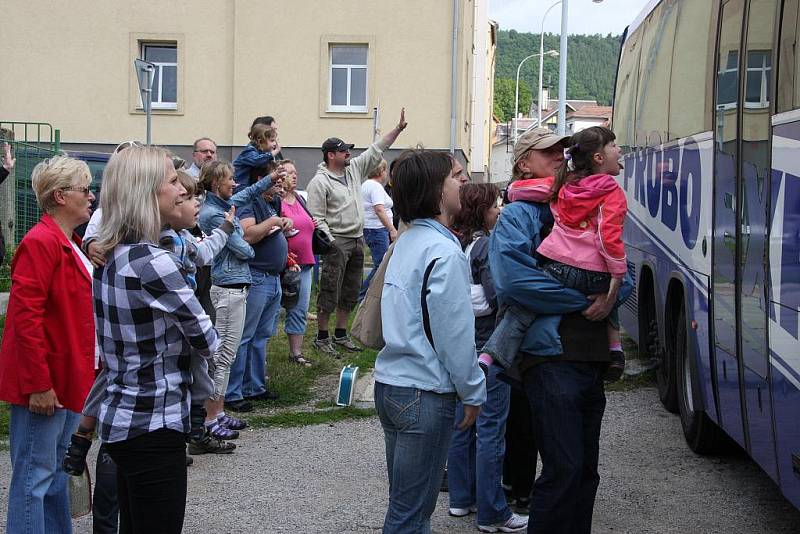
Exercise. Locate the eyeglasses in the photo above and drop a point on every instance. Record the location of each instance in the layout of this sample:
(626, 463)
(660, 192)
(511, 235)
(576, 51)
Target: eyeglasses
(84, 190)
(207, 151)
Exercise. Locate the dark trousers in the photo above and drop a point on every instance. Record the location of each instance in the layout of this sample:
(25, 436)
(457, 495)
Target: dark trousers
(567, 403)
(519, 467)
(151, 482)
(105, 507)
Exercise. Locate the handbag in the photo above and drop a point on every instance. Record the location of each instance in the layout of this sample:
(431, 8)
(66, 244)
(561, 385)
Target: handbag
(321, 242)
(367, 327)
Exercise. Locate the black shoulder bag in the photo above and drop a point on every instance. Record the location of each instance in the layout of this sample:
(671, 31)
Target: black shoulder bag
(321, 242)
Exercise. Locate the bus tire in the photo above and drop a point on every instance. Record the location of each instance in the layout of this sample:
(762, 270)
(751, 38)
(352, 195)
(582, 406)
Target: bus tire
(702, 435)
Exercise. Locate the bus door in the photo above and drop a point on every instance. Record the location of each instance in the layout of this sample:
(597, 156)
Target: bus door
(741, 176)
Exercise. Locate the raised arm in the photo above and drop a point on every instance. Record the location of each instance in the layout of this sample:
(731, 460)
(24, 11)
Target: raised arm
(372, 155)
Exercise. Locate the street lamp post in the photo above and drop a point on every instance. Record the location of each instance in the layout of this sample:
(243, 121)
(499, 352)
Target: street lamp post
(516, 87)
(562, 69)
(541, 62)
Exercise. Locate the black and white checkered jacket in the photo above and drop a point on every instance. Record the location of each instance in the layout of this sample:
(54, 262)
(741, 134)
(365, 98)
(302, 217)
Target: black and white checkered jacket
(148, 320)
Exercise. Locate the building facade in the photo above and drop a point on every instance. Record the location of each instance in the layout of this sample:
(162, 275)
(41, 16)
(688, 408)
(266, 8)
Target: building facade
(322, 70)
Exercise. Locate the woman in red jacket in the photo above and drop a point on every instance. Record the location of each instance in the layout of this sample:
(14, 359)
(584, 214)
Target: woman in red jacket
(48, 351)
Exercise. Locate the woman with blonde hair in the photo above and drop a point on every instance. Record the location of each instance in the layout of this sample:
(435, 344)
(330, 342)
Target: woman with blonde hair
(148, 322)
(48, 352)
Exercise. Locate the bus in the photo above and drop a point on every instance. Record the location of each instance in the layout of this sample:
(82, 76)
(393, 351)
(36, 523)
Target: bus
(707, 112)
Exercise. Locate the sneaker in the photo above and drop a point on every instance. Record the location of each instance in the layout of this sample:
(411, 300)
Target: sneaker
(325, 346)
(461, 512)
(346, 343)
(265, 396)
(240, 406)
(211, 445)
(515, 523)
(220, 432)
(231, 423)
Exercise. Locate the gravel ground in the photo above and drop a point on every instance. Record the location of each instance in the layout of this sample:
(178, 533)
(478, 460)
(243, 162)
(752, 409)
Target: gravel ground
(331, 479)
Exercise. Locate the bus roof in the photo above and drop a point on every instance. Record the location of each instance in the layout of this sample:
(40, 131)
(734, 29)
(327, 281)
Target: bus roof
(643, 15)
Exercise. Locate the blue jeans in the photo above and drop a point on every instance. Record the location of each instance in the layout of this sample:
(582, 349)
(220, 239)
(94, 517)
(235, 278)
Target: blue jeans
(378, 242)
(249, 369)
(417, 427)
(567, 404)
(38, 497)
(508, 335)
(475, 462)
(296, 317)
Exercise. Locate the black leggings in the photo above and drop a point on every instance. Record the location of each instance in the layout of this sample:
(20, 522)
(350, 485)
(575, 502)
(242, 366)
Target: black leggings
(151, 482)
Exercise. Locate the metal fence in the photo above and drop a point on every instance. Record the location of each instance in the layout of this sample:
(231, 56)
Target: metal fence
(31, 142)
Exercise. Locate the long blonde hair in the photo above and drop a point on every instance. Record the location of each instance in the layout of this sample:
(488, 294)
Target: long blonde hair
(129, 197)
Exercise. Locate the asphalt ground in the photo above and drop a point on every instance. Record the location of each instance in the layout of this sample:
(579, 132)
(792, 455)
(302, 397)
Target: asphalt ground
(331, 479)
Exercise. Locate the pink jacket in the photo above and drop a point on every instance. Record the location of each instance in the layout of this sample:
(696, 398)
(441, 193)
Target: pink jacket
(589, 215)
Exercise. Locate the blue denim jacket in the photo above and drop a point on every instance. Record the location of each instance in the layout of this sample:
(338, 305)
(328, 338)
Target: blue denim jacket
(518, 279)
(231, 264)
(248, 159)
(409, 359)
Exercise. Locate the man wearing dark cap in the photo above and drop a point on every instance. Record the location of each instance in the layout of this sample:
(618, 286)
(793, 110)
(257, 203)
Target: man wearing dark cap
(334, 199)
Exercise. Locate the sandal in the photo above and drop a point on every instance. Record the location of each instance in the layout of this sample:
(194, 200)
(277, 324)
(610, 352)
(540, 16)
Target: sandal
(300, 360)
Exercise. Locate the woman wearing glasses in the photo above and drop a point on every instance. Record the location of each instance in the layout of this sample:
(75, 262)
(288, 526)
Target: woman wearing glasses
(48, 352)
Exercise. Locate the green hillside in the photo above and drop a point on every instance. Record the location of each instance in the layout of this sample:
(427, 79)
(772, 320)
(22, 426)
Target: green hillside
(591, 67)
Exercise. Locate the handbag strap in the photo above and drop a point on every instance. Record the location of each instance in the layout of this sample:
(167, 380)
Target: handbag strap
(303, 204)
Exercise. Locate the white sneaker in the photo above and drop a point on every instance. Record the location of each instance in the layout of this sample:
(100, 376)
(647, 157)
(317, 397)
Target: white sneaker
(515, 523)
(461, 512)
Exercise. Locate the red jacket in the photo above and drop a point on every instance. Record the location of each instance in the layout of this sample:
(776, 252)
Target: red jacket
(49, 336)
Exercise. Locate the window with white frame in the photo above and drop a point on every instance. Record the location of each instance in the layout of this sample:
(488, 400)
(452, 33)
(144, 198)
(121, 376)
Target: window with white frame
(728, 81)
(757, 83)
(348, 78)
(165, 83)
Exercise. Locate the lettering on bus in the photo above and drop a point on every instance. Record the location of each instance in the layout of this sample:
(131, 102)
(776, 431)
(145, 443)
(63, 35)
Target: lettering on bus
(667, 182)
(789, 240)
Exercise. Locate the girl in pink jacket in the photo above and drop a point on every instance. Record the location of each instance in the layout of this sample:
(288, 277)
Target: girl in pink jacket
(584, 251)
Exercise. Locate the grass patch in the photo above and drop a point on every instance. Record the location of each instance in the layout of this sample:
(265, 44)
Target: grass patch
(294, 419)
(645, 379)
(5, 420)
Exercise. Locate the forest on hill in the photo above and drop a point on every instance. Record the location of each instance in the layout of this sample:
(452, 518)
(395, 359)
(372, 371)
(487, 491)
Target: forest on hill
(591, 68)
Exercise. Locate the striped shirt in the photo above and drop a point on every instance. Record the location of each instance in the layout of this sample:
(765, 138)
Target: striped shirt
(148, 321)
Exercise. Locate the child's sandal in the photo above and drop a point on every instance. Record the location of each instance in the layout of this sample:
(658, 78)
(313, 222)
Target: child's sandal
(300, 360)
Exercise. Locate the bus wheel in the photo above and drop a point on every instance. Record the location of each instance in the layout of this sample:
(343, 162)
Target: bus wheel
(702, 435)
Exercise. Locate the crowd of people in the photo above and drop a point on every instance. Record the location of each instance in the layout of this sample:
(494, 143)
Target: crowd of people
(151, 330)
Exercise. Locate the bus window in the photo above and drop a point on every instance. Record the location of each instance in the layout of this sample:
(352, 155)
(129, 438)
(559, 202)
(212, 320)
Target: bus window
(692, 60)
(655, 63)
(625, 95)
(789, 58)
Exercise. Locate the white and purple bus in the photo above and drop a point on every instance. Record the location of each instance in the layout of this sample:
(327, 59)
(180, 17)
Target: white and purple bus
(707, 110)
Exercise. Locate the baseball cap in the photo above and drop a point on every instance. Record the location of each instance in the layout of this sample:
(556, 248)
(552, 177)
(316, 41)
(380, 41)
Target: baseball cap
(334, 144)
(537, 139)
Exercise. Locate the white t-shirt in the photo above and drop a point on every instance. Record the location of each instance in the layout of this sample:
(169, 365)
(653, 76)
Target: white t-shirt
(374, 194)
(89, 269)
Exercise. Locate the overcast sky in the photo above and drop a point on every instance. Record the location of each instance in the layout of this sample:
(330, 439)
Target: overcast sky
(585, 17)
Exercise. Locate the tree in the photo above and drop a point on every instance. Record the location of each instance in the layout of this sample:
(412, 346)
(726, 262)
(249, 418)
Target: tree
(504, 98)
